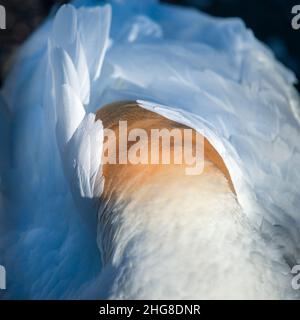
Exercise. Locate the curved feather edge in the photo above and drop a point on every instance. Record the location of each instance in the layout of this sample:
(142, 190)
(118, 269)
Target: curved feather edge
(74, 67)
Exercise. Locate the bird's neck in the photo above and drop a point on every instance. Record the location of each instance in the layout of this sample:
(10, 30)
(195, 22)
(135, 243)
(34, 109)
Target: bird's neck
(177, 237)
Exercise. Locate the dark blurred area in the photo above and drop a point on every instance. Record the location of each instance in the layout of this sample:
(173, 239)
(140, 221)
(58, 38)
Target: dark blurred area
(269, 19)
(22, 18)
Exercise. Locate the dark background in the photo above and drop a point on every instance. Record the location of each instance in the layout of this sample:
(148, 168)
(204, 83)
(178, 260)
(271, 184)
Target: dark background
(269, 19)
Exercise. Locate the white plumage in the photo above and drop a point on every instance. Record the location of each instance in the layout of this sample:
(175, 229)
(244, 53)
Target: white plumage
(208, 73)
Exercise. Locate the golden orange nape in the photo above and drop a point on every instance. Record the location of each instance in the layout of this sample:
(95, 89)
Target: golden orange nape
(119, 173)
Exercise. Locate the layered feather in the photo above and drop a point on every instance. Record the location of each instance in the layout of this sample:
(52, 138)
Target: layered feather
(209, 73)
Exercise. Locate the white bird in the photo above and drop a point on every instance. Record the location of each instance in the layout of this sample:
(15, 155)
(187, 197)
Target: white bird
(231, 232)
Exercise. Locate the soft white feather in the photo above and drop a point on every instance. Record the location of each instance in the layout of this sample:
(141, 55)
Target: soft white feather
(216, 76)
(71, 74)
